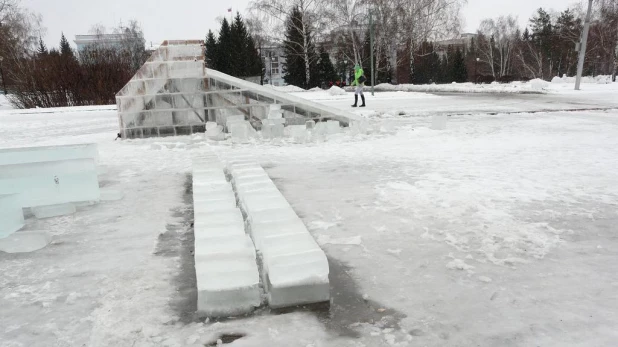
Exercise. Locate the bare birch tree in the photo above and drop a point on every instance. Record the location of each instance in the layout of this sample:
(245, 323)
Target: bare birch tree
(20, 31)
(496, 43)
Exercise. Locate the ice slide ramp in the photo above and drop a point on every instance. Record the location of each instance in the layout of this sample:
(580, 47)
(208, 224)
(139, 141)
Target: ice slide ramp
(174, 94)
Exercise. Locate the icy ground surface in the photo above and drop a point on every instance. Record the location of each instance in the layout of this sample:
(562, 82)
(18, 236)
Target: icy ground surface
(499, 231)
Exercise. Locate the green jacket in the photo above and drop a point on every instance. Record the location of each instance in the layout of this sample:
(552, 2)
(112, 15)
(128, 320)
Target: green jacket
(357, 75)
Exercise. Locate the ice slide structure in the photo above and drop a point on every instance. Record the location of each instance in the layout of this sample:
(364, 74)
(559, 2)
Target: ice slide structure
(174, 93)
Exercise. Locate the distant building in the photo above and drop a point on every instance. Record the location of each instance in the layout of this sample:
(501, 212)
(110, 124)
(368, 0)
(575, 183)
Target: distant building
(273, 58)
(104, 40)
(463, 43)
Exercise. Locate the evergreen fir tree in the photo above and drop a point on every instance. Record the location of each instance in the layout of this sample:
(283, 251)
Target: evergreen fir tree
(442, 75)
(42, 50)
(211, 51)
(65, 48)
(255, 65)
(325, 68)
(295, 65)
(424, 64)
(238, 47)
(526, 35)
(223, 59)
(459, 72)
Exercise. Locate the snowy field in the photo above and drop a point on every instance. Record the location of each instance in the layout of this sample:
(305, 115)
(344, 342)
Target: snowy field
(499, 231)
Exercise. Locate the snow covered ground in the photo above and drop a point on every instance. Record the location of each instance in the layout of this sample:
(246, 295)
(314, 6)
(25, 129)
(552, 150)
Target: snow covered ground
(499, 231)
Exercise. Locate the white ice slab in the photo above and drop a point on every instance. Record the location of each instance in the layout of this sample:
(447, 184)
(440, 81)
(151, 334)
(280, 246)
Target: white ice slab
(227, 287)
(50, 211)
(256, 187)
(11, 215)
(50, 175)
(227, 246)
(296, 279)
(263, 232)
(213, 187)
(222, 197)
(239, 166)
(257, 204)
(260, 194)
(25, 241)
(232, 229)
(49, 183)
(249, 180)
(276, 215)
(219, 218)
(227, 275)
(213, 206)
(333, 127)
(277, 131)
(29, 155)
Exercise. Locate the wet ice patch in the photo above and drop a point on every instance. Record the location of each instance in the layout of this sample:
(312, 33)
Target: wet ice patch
(469, 217)
(25, 241)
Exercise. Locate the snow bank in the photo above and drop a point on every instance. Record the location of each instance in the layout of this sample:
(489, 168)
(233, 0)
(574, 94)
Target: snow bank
(334, 90)
(538, 84)
(286, 89)
(515, 87)
(5, 104)
(601, 79)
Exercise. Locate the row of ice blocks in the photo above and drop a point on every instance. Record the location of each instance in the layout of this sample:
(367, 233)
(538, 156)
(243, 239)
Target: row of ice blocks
(225, 260)
(294, 268)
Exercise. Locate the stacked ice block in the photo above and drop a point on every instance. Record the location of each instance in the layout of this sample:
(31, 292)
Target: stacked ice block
(225, 261)
(294, 268)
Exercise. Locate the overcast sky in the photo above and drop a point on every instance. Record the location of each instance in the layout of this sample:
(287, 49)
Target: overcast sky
(191, 19)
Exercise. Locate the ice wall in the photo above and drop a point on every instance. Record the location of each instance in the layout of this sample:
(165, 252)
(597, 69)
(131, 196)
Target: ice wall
(53, 175)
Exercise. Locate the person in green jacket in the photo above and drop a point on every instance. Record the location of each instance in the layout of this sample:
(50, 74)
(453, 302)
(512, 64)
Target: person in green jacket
(359, 82)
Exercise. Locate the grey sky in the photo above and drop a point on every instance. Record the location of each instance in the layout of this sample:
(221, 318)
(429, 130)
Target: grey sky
(191, 19)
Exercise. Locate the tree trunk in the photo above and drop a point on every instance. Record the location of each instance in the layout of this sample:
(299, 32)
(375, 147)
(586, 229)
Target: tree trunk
(306, 55)
(393, 62)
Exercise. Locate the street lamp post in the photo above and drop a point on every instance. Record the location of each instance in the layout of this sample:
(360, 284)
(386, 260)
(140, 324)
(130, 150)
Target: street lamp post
(371, 50)
(476, 63)
(582, 47)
